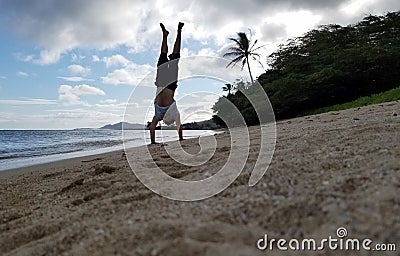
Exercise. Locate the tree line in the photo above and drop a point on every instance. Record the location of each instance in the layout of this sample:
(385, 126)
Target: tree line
(329, 65)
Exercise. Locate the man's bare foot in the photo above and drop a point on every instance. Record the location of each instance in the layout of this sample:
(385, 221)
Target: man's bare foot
(165, 32)
(180, 25)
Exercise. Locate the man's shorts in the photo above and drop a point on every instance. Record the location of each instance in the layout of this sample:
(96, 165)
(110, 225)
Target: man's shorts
(167, 113)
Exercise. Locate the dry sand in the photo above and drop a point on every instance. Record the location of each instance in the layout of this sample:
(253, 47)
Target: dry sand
(338, 169)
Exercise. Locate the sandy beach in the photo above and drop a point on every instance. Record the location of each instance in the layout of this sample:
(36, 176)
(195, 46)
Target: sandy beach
(337, 169)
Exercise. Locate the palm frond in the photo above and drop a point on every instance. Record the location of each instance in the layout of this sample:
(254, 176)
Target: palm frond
(234, 48)
(258, 47)
(232, 54)
(235, 61)
(237, 42)
(244, 62)
(254, 43)
(259, 62)
(255, 54)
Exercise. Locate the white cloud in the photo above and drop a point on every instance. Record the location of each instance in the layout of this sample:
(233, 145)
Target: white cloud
(207, 52)
(208, 66)
(59, 119)
(24, 58)
(108, 101)
(116, 60)
(67, 119)
(50, 56)
(353, 6)
(28, 102)
(74, 78)
(75, 24)
(82, 114)
(274, 32)
(294, 23)
(21, 73)
(103, 24)
(71, 95)
(78, 70)
(6, 117)
(77, 58)
(95, 58)
(196, 106)
(132, 74)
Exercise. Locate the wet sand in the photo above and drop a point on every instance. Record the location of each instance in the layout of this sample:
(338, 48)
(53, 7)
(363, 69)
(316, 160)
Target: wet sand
(337, 169)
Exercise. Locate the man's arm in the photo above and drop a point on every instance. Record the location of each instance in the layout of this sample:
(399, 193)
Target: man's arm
(153, 125)
(180, 132)
(179, 126)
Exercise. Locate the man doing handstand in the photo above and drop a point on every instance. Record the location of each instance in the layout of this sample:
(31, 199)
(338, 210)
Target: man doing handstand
(166, 82)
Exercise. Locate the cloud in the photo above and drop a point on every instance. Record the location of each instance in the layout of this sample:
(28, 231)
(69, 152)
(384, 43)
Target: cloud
(49, 56)
(77, 58)
(82, 114)
(67, 119)
(28, 102)
(206, 52)
(211, 67)
(75, 24)
(6, 117)
(59, 119)
(103, 24)
(132, 74)
(196, 106)
(78, 70)
(116, 60)
(74, 78)
(108, 101)
(21, 73)
(273, 32)
(71, 95)
(95, 58)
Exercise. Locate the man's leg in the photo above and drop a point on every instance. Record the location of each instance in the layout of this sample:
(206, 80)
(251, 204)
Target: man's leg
(177, 45)
(164, 44)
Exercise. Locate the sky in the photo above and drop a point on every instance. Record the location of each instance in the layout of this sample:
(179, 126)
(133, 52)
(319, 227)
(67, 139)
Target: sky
(74, 64)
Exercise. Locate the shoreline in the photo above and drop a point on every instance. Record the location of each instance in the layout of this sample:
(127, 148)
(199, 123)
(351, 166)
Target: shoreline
(62, 163)
(331, 170)
(43, 160)
(48, 159)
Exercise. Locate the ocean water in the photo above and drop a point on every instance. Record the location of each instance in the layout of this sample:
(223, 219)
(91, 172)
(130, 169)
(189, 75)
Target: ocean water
(20, 148)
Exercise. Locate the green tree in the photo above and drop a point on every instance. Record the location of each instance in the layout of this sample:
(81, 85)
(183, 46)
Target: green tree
(242, 52)
(326, 66)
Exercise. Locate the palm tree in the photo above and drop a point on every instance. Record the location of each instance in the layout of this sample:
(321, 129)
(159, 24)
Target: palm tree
(228, 88)
(243, 50)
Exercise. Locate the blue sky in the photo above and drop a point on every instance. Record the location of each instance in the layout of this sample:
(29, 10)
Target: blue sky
(70, 64)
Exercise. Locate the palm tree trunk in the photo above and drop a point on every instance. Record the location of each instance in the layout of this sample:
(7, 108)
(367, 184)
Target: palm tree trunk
(248, 66)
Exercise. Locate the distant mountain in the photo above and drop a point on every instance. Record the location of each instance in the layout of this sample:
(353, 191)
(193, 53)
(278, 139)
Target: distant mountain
(127, 126)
